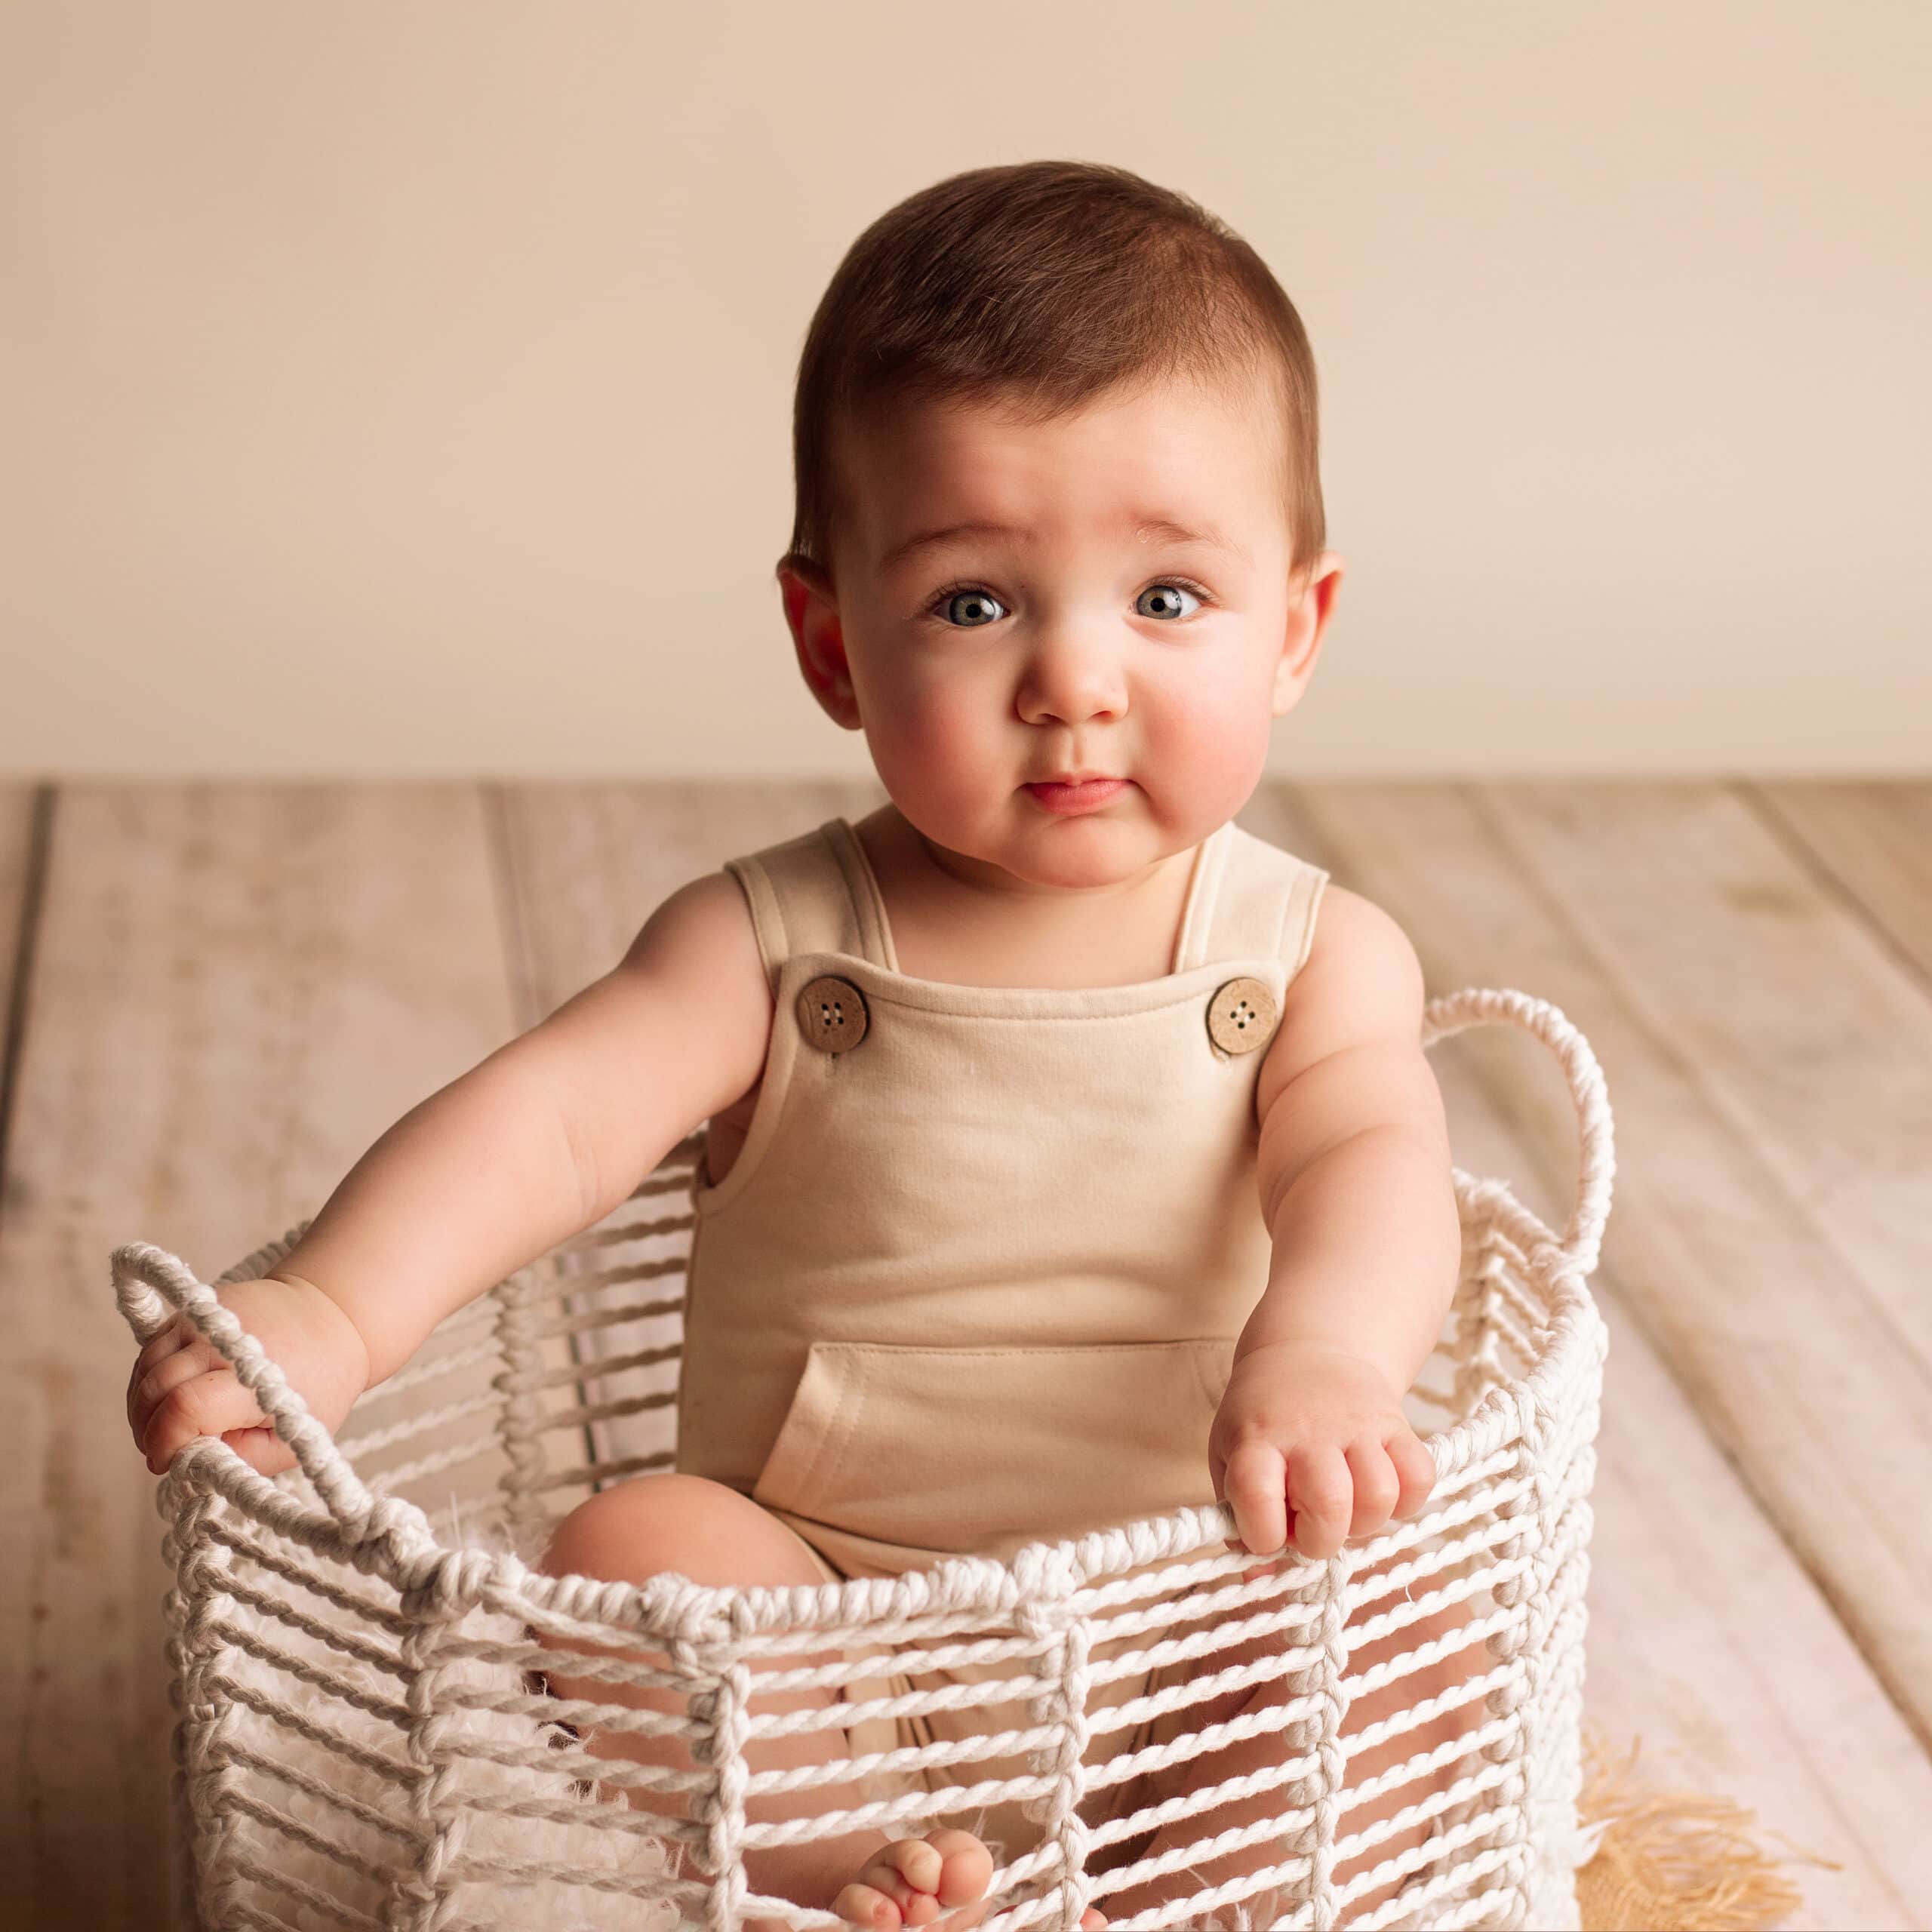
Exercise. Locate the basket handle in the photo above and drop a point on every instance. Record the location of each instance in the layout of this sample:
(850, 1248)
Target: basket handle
(1596, 1165)
(150, 1285)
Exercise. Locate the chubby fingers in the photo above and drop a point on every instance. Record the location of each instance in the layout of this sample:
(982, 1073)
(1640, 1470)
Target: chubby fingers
(192, 1392)
(1377, 1487)
(162, 1343)
(1256, 1479)
(1415, 1470)
(1321, 1493)
(183, 1365)
(1380, 1477)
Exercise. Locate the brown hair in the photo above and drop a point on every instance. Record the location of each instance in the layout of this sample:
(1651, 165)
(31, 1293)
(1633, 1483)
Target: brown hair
(1039, 284)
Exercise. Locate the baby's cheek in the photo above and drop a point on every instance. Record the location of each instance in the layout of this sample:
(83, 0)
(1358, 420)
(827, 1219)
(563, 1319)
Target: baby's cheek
(1219, 738)
(936, 752)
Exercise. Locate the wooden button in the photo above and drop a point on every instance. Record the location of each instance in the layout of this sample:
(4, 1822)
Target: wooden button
(1241, 1015)
(832, 1014)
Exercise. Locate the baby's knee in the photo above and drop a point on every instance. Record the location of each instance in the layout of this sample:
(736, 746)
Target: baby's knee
(627, 1534)
(706, 1531)
(638, 1527)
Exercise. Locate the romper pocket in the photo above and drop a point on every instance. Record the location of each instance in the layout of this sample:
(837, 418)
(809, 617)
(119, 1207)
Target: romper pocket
(964, 1450)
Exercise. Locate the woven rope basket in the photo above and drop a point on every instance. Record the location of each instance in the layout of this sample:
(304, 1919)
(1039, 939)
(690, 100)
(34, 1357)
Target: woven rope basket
(359, 1742)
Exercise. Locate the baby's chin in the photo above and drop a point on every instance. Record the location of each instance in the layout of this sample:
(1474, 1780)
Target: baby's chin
(1118, 843)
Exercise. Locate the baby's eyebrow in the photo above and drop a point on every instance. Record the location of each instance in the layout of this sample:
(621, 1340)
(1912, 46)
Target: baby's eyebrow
(1163, 529)
(1171, 532)
(928, 539)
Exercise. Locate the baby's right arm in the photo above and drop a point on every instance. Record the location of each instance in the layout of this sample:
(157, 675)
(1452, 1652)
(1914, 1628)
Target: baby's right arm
(544, 1137)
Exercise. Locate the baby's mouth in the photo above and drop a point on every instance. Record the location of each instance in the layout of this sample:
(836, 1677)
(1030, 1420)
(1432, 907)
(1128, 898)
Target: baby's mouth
(1059, 798)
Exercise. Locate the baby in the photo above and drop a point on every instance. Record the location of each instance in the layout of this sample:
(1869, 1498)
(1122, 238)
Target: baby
(1038, 1098)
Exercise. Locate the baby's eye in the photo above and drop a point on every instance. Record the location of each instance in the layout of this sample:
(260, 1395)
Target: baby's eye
(1166, 592)
(980, 605)
(966, 606)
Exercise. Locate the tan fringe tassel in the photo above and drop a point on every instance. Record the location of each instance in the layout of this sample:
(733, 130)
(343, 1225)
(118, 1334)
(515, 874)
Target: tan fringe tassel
(1673, 1861)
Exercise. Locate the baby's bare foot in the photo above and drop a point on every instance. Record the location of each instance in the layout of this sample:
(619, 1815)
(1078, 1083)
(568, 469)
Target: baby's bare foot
(912, 1880)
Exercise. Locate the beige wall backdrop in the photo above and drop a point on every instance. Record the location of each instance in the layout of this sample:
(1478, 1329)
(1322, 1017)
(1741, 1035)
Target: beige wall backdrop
(398, 389)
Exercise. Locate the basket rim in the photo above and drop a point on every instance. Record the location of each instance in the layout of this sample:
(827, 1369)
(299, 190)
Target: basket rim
(399, 1544)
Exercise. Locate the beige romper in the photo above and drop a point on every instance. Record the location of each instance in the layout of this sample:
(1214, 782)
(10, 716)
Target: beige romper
(976, 1277)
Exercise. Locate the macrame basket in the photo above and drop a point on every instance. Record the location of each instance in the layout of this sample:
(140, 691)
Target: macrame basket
(361, 1741)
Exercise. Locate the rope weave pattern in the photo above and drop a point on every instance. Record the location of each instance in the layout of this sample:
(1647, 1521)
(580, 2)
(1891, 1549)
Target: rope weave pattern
(359, 1741)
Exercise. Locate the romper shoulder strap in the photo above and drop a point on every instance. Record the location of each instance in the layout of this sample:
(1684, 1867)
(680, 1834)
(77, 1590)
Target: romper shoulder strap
(811, 894)
(1256, 901)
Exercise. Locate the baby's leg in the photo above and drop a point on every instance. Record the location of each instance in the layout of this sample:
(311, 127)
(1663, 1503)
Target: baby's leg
(712, 1534)
(1268, 1749)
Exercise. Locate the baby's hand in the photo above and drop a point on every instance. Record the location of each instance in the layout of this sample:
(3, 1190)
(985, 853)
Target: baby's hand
(1307, 1428)
(181, 1387)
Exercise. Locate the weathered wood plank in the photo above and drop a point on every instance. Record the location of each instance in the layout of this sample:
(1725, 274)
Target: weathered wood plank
(1708, 1639)
(235, 990)
(1875, 842)
(1806, 1030)
(1812, 1048)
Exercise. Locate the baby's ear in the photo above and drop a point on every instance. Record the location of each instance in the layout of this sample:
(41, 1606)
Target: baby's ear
(1312, 594)
(819, 641)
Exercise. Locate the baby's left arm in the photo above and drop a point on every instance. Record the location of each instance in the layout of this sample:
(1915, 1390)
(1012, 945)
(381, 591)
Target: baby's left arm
(1354, 1168)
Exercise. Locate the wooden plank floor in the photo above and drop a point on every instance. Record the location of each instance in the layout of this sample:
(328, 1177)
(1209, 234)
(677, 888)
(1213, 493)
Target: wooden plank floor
(215, 997)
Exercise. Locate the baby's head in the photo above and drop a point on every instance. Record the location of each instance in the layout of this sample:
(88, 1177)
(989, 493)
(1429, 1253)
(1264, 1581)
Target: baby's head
(1112, 385)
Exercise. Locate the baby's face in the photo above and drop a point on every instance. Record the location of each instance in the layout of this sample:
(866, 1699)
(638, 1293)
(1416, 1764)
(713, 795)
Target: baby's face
(1071, 632)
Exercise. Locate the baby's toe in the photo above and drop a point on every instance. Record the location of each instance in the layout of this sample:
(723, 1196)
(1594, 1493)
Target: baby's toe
(898, 1887)
(912, 1881)
(967, 1865)
(865, 1905)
